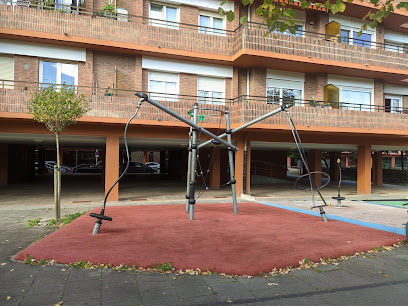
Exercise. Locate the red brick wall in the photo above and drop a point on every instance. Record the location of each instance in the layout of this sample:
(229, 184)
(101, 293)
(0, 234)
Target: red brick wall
(314, 86)
(30, 75)
(378, 92)
(85, 71)
(228, 89)
(405, 101)
(188, 84)
(104, 64)
(242, 82)
(257, 84)
(380, 33)
(138, 73)
(188, 14)
(145, 80)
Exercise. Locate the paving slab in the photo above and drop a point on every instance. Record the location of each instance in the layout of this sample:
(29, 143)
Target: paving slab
(231, 291)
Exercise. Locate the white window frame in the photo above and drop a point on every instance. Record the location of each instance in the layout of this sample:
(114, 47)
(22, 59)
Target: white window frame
(164, 77)
(211, 85)
(163, 22)
(393, 46)
(286, 80)
(59, 70)
(211, 30)
(355, 89)
(8, 82)
(393, 109)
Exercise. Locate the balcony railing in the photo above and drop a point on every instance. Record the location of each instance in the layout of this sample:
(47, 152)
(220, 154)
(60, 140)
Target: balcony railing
(105, 103)
(320, 46)
(140, 31)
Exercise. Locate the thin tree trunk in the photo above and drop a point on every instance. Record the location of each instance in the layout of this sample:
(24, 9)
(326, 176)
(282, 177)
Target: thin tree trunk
(58, 203)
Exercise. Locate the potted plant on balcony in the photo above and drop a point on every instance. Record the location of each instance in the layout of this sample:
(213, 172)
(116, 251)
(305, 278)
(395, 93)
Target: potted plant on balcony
(109, 10)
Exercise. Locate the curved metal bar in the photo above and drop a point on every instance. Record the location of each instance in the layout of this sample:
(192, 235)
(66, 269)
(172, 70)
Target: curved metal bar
(309, 174)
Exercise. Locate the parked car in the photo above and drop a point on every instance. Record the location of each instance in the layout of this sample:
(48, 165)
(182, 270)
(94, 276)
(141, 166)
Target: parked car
(88, 168)
(136, 167)
(50, 167)
(155, 166)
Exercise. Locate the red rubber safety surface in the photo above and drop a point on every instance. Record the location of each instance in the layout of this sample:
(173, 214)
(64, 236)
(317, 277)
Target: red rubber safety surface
(257, 240)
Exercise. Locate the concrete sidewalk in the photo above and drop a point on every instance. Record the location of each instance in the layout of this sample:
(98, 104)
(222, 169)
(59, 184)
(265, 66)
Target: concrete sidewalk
(373, 279)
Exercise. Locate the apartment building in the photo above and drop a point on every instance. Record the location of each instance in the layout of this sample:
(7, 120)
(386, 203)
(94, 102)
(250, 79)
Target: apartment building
(349, 92)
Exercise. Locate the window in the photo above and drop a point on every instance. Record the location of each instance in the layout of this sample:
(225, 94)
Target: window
(393, 46)
(364, 40)
(345, 36)
(211, 90)
(298, 29)
(164, 16)
(393, 104)
(58, 73)
(163, 86)
(211, 23)
(355, 99)
(6, 71)
(285, 95)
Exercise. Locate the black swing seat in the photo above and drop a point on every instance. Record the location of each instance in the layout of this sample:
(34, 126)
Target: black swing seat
(339, 198)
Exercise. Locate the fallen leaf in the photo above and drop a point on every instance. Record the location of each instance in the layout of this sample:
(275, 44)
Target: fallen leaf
(8, 298)
(63, 270)
(229, 301)
(273, 284)
(11, 270)
(4, 263)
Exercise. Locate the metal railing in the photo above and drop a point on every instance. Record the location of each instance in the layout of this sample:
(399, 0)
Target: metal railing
(128, 28)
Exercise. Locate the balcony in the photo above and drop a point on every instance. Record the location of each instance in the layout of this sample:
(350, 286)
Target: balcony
(93, 28)
(121, 104)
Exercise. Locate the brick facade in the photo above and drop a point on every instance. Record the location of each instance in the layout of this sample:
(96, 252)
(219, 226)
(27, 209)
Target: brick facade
(314, 86)
(378, 93)
(257, 84)
(189, 14)
(26, 75)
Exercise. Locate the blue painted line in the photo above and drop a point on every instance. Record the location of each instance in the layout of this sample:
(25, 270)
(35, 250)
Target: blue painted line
(378, 204)
(386, 228)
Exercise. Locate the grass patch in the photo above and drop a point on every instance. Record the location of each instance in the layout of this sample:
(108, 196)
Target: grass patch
(34, 222)
(71, 217)
(167, 266)
(29, 260)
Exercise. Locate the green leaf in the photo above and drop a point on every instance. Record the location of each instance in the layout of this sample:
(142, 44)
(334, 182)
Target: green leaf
(230, 16)
(243, 20)
(221, 11)
(292, 30)
(282, 27)
(291, 23)
(223, 2)
(259, 10)
(245, 2)
(373, 24)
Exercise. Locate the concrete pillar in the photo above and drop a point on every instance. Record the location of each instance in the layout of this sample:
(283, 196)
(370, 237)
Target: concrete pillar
(377, 169)
(145, 156)
(3, 164)
(215, 169)
(315, 164)
(248, 169)
(334, 168)
(112, 167)
(364, 169)
(392, 162)
(163, 168)
(239, 166)
(346, 161)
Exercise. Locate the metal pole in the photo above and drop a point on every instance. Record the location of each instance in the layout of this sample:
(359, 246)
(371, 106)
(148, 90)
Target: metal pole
(231, 162)
(188, 169)
(191, 199)
(194, 125)
(274, 112)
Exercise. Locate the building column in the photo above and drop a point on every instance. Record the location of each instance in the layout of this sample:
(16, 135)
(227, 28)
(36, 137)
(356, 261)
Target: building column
(288, 162)
(112, 167)
(145, 157)
(61, 154)
(334, 168)
(163, 168)
(364, 169)
(315, 164)
(392, 162)
(215, 169)
(377, 169)
(3, 164)
(346, 161)
(239, 166)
